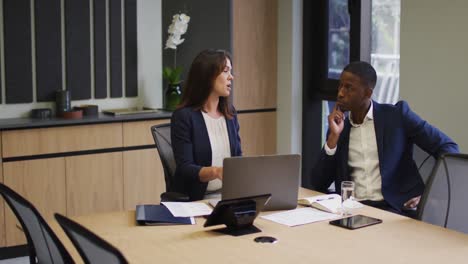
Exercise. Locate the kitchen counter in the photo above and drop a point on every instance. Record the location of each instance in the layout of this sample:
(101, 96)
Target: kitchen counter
(27, 123)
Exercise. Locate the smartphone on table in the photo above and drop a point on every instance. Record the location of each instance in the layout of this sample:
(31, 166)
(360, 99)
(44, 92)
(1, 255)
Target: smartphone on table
(356, 221)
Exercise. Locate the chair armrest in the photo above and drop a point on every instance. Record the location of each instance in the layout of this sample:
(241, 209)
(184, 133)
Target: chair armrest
(174, 197)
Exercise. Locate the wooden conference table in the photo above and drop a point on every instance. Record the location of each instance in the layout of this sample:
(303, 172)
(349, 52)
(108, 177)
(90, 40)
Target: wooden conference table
(397, 240)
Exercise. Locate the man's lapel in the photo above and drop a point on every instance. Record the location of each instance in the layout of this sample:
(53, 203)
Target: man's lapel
(379, 126)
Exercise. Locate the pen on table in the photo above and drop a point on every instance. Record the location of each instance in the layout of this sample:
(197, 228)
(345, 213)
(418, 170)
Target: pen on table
(323, 199)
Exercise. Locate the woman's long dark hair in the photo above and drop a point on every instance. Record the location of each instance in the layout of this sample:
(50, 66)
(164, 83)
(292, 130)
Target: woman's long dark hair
(205, 68)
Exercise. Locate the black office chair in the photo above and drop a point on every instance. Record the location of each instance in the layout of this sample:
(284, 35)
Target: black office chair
(424, 161)
(92, 248)
(162, 138)
(444, 202)
(43, 244)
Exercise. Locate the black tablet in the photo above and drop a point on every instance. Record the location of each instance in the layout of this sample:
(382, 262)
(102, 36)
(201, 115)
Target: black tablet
(250, 206)
(237, 214)
(356, 221)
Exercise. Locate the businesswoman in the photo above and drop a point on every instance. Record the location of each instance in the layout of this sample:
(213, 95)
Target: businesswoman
(204, 128)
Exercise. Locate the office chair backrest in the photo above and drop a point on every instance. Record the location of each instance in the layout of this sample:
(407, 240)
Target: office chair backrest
(444, 201)
(92, 248)
(162, 138)
(424, 161)
(43, 244)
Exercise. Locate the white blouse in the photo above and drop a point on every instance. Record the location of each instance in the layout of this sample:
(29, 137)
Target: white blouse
(220, 147)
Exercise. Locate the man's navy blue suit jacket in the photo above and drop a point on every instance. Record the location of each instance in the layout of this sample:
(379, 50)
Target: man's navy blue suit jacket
(397, 128)
(192, 149)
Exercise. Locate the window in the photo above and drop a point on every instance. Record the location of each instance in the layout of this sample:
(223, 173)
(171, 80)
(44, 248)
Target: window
(336, 32)
(385, 49)
(384, 33)
(338, 37)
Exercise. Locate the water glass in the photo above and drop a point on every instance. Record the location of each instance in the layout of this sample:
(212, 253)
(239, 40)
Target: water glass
(347, 197)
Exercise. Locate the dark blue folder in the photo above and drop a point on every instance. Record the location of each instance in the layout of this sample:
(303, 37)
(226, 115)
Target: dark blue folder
(151, 214)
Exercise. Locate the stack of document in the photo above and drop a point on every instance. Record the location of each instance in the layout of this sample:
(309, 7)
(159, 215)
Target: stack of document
(170, 213)
(300, 216)
(152, 214)
(188, 209)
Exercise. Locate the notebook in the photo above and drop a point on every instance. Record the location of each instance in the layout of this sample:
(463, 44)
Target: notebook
(150, 214)
(275, 174)
(329, 202)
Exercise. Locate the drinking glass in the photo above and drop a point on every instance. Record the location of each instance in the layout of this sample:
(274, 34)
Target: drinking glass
(347, 197)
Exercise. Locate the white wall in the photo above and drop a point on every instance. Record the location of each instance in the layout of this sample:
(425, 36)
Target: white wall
(149, 53)
(434, 63)
(289, 94)
(149, 68)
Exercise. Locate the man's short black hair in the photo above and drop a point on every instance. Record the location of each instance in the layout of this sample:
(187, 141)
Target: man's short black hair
(364, 70)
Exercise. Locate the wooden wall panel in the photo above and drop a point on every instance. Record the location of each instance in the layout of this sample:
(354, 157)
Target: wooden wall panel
(42, 182)
(258, 133)
(143, 178)
(2, 205)
(61, 139)
(94, 183)
(139, 133)
(255, 53)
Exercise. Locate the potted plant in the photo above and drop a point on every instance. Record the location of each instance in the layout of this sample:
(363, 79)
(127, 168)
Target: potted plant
(172, 75)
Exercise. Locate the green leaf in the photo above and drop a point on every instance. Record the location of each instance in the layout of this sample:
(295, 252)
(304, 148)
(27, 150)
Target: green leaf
(177, 72)
(172, 75)
(167, 72)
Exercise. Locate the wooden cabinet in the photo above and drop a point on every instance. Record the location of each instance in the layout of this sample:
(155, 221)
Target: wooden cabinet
(143, 178)
(61, 139)
(94, 183)
(139, 133)
(122, 170)
(142, 169)
(111, 178)
(42, 182)
(258, 133)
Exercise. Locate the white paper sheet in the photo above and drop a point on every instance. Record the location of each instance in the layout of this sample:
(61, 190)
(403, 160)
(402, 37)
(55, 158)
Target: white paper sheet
(180, 209)
(300, 216)
(214, 202)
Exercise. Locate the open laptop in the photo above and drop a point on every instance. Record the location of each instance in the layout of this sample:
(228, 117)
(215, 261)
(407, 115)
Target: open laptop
(276, 174)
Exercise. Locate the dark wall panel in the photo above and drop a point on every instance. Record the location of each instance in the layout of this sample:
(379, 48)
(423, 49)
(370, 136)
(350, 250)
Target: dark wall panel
(115, 38)
(201, 29)
(78, 59)
(48, 49)
(17, 45)
(131, 62)
(100, 49)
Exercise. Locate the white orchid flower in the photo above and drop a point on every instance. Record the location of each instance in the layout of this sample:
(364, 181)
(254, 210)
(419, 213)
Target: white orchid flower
(170, 44)
(179, 24)
(173, 41)
(176, 29)
(184, 18)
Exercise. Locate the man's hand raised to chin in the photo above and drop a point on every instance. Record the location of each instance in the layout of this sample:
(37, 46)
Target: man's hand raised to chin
(335, 125)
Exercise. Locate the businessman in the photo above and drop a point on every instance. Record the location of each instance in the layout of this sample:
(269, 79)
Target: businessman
(373, 145)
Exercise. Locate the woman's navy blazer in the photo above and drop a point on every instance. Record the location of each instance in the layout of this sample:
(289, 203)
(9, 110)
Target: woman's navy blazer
(192, 149)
